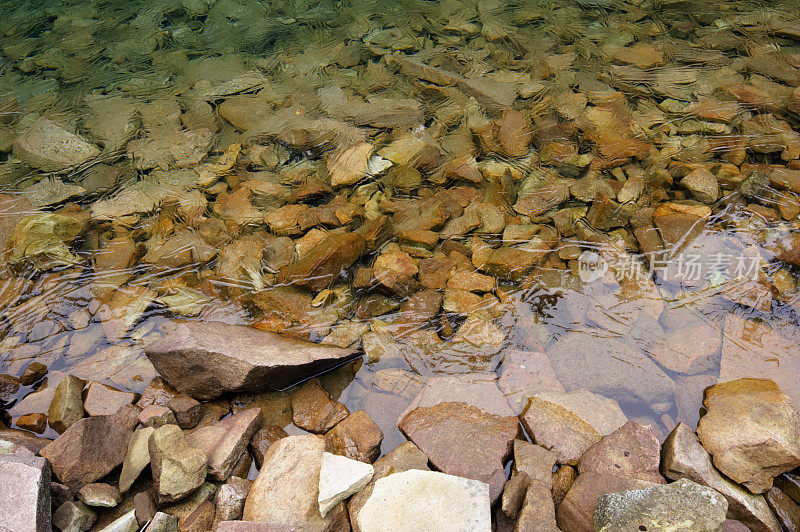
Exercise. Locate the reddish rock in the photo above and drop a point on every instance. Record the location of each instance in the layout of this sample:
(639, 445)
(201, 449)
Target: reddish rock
(103, 400)
(156, 416)
(682, 456)
(158, 392)
(313, 410)
(563, 479)
(537, 462)
(206, 359)
(320, 267)
(632, 451)
(402, 458)
(538, 511)
(33, 373)
(224, 442)
(356, 437)
(188, 411)
(32, 422)
(463, 440)
(576, 512)
(92, 447)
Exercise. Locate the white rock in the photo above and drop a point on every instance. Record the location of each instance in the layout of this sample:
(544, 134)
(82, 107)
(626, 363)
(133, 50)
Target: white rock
(340, 477)
(426, 500)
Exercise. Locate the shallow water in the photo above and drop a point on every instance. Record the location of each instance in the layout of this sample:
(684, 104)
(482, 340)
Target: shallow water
(619, 102)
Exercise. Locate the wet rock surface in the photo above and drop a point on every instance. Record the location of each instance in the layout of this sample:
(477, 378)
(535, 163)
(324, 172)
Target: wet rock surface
(234, 358)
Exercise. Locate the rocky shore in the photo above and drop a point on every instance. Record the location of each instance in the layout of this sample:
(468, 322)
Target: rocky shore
(458, 265)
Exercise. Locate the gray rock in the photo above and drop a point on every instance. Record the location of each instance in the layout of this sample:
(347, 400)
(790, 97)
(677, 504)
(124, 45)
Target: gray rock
(25, 493)
(46, 145)
(206, 359)
(74, 516)
(230, 499)
(682, 505)
(426, 500)
(136, 459)
(610, 367)
(340, 477)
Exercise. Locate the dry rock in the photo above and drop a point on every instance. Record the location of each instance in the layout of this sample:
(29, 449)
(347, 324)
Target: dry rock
(156, 416)
(188, 411)
(682, 456)
(286, 491)
(632, 451)
(25, 497)
(752, 431)
(103, 400)
(224, 442)
(74, 516)
(461, 439)
(682, 504)
(99, 494)
(178, 469)
(230, 499)
(136, 458)
(426, 500)
(339, 478)
(92, 447)
(67, 405)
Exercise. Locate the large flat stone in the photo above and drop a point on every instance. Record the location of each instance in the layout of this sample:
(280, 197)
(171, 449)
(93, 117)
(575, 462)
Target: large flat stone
(426, 500)
(609, 366)
(92, 447)
(25, 494)
(752, 431)
(206, 359)
(461, 439)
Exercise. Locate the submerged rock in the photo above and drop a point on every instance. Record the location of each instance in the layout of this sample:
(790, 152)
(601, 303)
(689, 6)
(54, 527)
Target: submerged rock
(49, 147)
(205, 360)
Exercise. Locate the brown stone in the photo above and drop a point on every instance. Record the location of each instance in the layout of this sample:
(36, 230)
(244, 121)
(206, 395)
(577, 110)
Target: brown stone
(319, 268)
(535, 461)
(224, 442)
(562, 482)
(314, 411)
(102, 400)
(230, 499)
(632, 451)
(752, 431)
(785, 509)
(32, 422)
(560, 429)
(263, 439)
(24, 439)
(576, 512)
(9, 386)
(206, 359)
(188, 411)
(680, 223)
(156, 416)
(158, 392)
(538, 510)
(201, 520)
(67, 405)
(92, 447)
(287, 487)
(356, 437)
(144, 506)
(682, 456)
(402, 458)
(99, 494)
(33, 373)
(463, 440)
(514, 493)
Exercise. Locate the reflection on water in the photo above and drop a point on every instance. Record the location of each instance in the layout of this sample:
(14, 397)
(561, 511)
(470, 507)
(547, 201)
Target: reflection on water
(593, 195)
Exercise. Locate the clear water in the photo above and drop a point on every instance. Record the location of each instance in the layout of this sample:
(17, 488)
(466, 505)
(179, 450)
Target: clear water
(643, 312)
